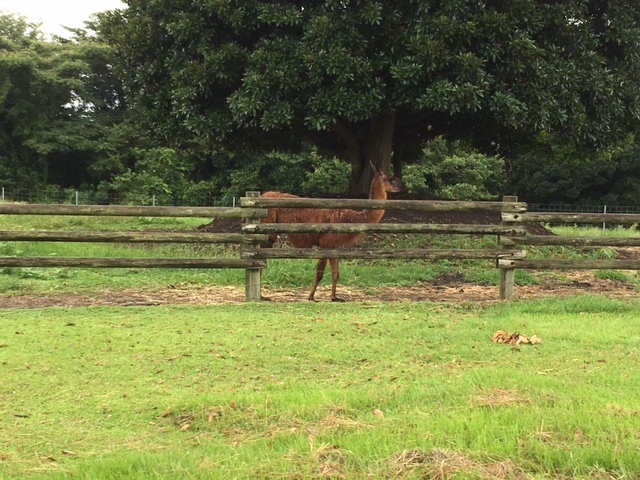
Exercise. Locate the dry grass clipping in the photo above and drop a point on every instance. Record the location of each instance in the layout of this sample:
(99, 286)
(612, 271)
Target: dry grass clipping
(442, 464)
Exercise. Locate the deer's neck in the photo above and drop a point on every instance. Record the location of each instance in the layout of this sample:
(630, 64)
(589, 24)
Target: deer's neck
(376, 192)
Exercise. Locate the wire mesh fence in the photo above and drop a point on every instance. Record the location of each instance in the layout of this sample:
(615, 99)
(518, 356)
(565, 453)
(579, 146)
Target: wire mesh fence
(77, 197)
(564, 208)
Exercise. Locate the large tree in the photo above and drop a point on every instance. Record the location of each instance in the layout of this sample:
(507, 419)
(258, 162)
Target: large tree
(58, 100)
(368, 80)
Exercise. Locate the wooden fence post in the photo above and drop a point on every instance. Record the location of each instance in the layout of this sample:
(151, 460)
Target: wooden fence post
(253, 275)
(507, 275)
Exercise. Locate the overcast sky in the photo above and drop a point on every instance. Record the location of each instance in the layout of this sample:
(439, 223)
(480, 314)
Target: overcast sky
(54, 13)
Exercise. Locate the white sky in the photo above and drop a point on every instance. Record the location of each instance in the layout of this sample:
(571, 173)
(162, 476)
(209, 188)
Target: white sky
(54, 13)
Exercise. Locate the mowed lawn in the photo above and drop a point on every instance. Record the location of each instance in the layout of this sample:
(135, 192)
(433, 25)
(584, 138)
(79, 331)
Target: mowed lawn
(293, 391)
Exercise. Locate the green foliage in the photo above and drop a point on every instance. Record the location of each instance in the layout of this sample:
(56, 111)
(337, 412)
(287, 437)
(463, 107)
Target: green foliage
(450, 171)
(359, 79)
(57, 101)
(614, 275)
(160, 172)
(329, 178)
(10, 249)
(304, 173)
(555, 170)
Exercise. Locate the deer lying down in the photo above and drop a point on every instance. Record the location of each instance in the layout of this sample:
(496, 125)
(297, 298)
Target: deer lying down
(381, 185)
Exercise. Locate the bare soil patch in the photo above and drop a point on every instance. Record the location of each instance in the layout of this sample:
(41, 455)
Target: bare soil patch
(443, 289)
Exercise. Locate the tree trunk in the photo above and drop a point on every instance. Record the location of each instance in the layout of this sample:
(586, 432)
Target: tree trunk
(377, 147)
(365, 144)
(398, 158)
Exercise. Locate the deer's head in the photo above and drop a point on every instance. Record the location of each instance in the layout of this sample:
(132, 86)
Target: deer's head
(387, 182)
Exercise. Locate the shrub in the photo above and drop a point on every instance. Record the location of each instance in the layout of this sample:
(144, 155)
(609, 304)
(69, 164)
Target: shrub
(450, 171)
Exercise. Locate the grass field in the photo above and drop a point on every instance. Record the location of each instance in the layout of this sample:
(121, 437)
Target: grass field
(321, 391)
(304, 390)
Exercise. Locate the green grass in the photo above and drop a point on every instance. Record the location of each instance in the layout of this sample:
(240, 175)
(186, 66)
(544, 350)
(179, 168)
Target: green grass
(595, 231)
(364, 390)
(305, 390)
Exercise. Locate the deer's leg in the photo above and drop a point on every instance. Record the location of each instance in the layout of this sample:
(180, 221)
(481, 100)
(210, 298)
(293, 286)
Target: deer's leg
(335, 275)
(322, 263)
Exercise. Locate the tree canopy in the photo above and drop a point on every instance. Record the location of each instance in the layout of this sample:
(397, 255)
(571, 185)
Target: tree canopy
(57, 100)
(369, 80)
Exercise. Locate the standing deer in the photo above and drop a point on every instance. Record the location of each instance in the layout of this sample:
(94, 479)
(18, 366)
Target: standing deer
(381, 185)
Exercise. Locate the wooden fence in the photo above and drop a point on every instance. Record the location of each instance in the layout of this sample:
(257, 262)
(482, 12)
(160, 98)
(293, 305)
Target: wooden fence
(512, 234)
(508, 256)
(508, 207)
(133, 237)
(508, 266)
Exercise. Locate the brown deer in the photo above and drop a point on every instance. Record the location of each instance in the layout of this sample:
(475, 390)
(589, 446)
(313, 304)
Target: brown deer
(381, 185)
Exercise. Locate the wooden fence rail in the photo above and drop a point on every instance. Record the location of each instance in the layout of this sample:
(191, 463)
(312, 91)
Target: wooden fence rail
(508, 266)
(430, 228)
(417, 205)
(132, 237)
(252, 200)
(511, 234)
(90, 262)
(130, 211)
(571, 241)
(381, 254)
(612, 218)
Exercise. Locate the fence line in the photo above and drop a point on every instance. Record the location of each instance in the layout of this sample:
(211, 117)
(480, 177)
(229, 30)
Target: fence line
(116, 237)
(571, 208)
(78, 197)
(252, 258)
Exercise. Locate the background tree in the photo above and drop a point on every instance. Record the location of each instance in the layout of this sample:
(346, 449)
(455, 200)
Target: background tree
(556, 171)
(368, 80)
(58, 100)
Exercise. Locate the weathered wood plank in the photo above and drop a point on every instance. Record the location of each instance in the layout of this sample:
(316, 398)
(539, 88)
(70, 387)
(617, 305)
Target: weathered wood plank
(131, 211)
(424, 254)
(609, 218)
(253, 276)
(507, 276)
(565, 264)
(131, 237)
(419, 205)
(382, 228)
(89, 262)
(571, 241)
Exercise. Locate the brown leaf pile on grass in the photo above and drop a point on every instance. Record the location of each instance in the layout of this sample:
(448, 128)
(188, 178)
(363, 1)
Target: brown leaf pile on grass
(515, 338)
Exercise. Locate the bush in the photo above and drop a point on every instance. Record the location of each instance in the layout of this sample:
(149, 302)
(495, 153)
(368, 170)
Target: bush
(306, 173)
(450, 171)
(555, 171)
(329, 177)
